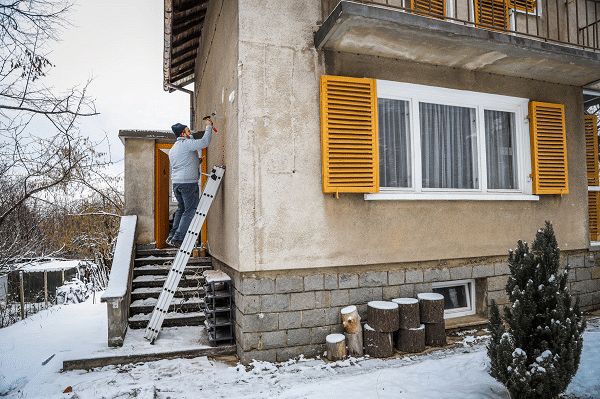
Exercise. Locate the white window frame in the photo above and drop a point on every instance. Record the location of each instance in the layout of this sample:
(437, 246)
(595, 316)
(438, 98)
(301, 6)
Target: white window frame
(414, 94)
(470, 290)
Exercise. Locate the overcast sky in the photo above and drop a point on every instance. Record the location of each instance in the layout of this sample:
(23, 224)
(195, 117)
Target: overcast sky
(120, 45)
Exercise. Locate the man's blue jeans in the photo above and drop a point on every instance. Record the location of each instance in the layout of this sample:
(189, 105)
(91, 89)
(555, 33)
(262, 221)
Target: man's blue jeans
(187, 195)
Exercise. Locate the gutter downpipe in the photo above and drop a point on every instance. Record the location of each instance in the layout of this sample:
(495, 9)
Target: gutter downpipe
(191, 93)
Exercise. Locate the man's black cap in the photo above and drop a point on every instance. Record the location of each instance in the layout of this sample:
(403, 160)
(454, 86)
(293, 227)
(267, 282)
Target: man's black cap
(178, 129)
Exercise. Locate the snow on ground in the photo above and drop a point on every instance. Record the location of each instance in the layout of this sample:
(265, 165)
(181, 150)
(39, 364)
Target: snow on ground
(453, 373)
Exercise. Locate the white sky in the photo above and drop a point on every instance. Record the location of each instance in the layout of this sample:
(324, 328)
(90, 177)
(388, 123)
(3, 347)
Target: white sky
(120, 45)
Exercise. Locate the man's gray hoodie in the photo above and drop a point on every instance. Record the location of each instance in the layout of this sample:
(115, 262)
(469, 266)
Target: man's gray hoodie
(183, 157)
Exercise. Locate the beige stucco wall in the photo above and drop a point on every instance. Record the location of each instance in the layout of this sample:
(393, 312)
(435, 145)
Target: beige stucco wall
(284, 219)
(139, 186)
(216, 90)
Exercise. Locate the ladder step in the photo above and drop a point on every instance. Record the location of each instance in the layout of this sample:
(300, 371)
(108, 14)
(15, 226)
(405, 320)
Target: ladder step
(183, 305)
(154, 292)
(171, 319)
(154, 280)
(164, 270)
(155, 260)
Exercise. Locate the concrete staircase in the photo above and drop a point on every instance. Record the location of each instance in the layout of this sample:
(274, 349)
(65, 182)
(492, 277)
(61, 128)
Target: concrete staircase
(150, 271)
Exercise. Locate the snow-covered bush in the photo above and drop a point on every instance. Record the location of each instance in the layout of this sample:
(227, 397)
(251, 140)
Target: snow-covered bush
(74, 291)
(537, 353)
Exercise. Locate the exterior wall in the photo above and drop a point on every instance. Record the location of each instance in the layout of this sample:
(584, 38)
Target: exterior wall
(216, 90)
(139, 186)
(280, 315)
(288, 223)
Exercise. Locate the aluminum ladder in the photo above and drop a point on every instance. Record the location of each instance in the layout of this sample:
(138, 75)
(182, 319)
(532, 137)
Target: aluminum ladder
(183, 254)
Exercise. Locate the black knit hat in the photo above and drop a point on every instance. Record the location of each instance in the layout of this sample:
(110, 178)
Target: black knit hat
(178, 129)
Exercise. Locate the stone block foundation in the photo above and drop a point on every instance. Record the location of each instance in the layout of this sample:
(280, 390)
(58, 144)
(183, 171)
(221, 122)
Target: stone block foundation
(286, 313)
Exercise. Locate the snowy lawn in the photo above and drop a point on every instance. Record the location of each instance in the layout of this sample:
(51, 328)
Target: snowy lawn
(455, 373)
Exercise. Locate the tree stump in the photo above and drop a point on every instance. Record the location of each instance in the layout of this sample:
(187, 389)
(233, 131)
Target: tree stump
(411, 340)
(336, 346)
(352, 330)
(435, 334)
(431, 307)
(383, 316)
(408, 310)
(378, 344)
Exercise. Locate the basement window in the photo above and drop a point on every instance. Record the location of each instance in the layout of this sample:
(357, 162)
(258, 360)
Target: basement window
(459, 297)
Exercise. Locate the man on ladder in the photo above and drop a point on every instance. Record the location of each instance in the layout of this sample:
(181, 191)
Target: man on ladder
(184, 161)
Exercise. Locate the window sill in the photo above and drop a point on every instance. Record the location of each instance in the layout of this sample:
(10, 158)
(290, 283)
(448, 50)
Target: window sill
(447, 196)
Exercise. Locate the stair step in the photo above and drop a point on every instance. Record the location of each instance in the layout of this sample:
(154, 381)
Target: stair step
(161, 260)
(171, 319)
(164, 269)
(154, 292)
(156, 252)
(183, 305)
(159, 281)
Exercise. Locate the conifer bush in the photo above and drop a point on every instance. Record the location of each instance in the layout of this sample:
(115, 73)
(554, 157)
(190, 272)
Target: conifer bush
(535, 350)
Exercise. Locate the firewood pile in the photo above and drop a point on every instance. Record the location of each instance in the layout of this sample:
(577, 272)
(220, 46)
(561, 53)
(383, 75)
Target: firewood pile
(403, 324)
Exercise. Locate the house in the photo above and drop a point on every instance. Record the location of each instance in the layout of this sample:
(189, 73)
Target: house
(379, 149)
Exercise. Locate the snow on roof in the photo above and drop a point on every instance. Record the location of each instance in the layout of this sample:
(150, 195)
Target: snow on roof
(52, 265)
(119, 273)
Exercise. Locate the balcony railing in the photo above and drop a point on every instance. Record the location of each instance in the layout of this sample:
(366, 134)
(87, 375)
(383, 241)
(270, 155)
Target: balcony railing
(569, 22)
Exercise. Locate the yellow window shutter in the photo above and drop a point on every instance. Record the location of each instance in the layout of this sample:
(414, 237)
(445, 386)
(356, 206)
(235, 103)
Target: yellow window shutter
(433, 8)
(591, 161)
(548, 148)
(524, 5)
(492, 14)
(349, 135)
(591, 149)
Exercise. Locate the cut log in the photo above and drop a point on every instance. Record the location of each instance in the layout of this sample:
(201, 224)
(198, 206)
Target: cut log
(355, 343)
(431, 307)
(435, 334)
(351, 320)
(408, 310)
(411, 340)
(336, 346)
(383, 316)
(378, 344)
(352, 330)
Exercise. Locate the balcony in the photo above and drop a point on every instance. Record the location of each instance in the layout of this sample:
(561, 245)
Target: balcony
(551, 40)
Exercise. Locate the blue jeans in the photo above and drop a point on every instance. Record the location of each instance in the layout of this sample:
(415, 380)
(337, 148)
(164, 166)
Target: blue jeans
(187, 195)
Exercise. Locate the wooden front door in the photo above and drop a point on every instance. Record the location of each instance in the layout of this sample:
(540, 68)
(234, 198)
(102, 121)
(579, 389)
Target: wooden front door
(162, 194)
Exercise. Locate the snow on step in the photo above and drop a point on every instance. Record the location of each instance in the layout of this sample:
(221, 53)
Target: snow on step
(157, 290)
(158, 277)
(383, 305)
(430, 296)
(170, 315)
(175, 301)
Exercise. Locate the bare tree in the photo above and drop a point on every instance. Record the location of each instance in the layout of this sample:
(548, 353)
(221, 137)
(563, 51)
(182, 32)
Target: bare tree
(44, 158)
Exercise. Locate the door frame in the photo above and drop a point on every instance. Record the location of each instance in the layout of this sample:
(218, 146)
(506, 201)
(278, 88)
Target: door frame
(159, 232)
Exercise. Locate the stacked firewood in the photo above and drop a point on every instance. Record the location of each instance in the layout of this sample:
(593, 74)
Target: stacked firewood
(405, 324)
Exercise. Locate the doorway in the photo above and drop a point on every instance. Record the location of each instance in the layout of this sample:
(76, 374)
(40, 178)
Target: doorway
(162, 194)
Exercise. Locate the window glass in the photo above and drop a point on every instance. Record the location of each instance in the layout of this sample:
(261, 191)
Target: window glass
(394, 143)
(454, 297)
(500, 149)
(448, 146)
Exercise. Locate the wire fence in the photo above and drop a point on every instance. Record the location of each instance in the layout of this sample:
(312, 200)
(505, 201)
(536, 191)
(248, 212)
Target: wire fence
(25, 292)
